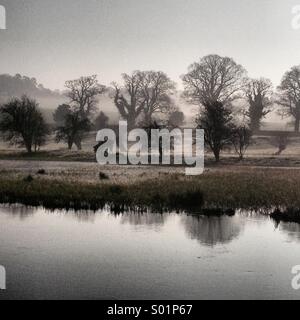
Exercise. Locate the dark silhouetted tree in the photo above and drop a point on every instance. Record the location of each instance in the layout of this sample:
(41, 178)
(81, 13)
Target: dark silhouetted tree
(148, 127)
(213, 79)
(23, 124)
(83, 94)
(73, 130)
(289, 95)
(101, 122)
(216, 121)
(241, 140)
(258, 93)
(143, 92)
(214, 83)
(59, 115)
(157, 89)
(129, 99)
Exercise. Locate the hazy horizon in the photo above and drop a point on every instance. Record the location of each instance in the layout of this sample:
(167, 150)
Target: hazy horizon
(55, 41)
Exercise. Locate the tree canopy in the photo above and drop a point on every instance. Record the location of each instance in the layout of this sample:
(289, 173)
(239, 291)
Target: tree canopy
(23, 124)
(213, 79)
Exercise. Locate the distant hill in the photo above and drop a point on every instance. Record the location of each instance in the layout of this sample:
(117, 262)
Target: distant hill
(49, 100)
(15, 86)
(18, 85)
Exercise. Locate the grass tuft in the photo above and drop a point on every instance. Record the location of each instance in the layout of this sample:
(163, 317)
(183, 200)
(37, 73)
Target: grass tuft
(28, 179)
(103, 176)
(41, 172)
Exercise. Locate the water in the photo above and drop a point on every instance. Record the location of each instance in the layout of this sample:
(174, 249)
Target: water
(102, 256)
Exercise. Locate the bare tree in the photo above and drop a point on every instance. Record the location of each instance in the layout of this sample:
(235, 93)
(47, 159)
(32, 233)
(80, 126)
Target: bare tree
(83, 93)
(23, 124)
(73, 129)
(129, 99)
(241, 140)
(157, 89)
(258, 93)
(213, 79)
(214, 83)
(289, 99)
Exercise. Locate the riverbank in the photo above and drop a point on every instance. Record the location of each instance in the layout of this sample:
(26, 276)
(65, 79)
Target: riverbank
(154, 189)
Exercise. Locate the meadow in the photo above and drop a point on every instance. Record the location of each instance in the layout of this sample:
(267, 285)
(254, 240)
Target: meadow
(157, 189)
(56, 178)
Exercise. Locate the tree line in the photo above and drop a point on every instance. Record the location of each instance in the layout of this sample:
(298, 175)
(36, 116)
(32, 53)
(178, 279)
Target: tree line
(217, 85)
(11, 86)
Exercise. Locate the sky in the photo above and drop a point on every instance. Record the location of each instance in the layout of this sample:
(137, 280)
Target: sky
(59, 40)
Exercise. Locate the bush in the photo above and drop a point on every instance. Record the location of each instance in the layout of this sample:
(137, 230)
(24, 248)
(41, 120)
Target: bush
(103, 176)
(281, 142)
(22, 123)
(241, 140)
(29, 179)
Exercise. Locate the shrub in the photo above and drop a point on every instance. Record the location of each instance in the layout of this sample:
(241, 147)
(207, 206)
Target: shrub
(29, 178)
(103, 176)
(281, 142)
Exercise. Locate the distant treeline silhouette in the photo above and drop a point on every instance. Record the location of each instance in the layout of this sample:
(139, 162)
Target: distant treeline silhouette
(18, 85)
(216, 84)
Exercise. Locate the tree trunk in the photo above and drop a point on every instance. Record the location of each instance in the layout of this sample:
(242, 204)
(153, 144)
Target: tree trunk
(254, 125)
(217, 155)
(148, 119)
(131, 122)
(70, 144)
(78, 145)
(297, 124)
(161, 152)
(28, 147)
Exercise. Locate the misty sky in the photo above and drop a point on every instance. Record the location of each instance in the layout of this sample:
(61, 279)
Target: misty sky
(58, 40)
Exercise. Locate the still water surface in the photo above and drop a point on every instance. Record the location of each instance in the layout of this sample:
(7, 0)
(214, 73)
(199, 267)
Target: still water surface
(59, 255)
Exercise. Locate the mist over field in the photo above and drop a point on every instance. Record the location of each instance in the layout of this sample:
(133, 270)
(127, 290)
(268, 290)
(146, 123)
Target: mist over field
(149, 150)
(18, 85)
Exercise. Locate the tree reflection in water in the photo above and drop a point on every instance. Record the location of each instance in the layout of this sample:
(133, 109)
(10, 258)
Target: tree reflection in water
(291, 229)
(208, 229)
(144, 219)
(18, 211)
(212, 230)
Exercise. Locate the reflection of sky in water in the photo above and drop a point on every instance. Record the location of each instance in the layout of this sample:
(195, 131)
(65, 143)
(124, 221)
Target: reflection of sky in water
(146, 256)
(291, 229)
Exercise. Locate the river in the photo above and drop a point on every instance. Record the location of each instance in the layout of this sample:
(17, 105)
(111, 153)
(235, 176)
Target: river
(86, 255)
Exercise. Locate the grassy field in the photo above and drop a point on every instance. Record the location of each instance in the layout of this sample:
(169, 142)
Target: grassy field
(260, 153)
(156, 189)
(59, 178)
